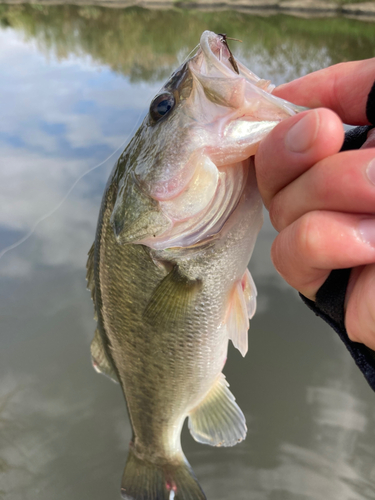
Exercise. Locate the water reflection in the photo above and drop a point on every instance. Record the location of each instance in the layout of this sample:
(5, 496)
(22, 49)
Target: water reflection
(74, 82)
(146, 44)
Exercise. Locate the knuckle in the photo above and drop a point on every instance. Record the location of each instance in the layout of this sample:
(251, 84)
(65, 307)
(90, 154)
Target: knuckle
(308, 238)
(276, 213)
(278, 255)
(283, 256)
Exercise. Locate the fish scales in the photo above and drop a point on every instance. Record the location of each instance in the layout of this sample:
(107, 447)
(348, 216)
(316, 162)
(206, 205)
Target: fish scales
(168, 269)
(177, 358)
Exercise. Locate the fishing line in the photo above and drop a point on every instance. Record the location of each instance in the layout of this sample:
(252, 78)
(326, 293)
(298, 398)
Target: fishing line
(62, 201)
(190, 54)
(51, 212)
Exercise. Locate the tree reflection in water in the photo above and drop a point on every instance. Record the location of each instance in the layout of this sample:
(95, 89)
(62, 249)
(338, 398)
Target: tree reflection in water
(147, 45)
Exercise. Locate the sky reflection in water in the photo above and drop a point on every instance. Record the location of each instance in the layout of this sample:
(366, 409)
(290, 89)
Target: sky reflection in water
(64, 429)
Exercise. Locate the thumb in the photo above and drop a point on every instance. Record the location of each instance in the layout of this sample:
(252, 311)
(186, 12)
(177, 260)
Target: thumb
(294, 146)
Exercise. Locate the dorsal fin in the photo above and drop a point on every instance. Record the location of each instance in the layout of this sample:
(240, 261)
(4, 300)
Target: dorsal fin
(100, 360)
(90, 275)
(90, 272)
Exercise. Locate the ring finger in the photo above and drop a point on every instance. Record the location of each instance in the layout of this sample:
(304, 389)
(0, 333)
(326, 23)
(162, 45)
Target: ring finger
(344, 182)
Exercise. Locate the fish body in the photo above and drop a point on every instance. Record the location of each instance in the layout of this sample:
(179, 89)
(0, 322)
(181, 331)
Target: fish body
(168, 268)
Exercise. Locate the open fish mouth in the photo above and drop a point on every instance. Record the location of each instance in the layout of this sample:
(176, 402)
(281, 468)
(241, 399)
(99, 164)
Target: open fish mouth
(209, 198)
(217, 113)
(217, 55)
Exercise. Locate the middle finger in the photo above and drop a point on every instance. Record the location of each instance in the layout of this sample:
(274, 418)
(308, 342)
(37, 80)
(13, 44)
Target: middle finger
(344, 182)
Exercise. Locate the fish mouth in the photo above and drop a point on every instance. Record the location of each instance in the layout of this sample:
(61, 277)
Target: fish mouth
(226, 81)
(217, 53)
(226, 113)
(218, 61)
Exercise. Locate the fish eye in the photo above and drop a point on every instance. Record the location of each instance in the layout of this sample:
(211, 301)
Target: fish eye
(161, 106)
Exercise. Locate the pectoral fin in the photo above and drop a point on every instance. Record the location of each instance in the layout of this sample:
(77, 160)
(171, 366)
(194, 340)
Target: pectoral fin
(218, 420)
(241, 308)
(238, 320)
(250, 293)
(172, 300)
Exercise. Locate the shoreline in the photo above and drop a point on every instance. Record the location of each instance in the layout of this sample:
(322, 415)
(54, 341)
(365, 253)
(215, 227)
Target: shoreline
(363, 11)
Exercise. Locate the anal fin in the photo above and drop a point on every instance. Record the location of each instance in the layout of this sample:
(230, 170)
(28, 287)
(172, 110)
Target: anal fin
(100, 360)
(218, 420)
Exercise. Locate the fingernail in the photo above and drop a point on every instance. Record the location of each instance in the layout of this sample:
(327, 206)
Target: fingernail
(281, 86)
(366, 229)
(370, 171)
(301, 136)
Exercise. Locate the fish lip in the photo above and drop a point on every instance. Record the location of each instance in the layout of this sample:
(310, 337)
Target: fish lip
(208, 41)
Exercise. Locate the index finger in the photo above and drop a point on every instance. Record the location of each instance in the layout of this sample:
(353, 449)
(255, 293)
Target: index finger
(344, 88)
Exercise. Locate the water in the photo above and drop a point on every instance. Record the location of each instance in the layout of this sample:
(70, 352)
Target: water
(74, 83)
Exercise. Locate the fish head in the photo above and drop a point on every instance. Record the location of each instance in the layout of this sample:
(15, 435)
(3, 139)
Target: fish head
(186, 167)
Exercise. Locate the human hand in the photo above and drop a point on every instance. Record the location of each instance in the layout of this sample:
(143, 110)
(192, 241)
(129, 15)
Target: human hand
(322, 201)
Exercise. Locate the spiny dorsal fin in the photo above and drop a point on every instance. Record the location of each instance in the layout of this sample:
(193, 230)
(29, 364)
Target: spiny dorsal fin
(172, 300)
(100, 359)
(90, 272)
(218, 420)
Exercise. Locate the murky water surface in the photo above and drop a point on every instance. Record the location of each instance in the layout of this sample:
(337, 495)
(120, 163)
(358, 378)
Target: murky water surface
(74, 83)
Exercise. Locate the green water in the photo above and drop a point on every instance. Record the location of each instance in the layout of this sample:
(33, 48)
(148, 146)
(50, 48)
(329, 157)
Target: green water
(74, 83)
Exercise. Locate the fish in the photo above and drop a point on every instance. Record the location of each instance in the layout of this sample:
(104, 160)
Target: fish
(168, 268)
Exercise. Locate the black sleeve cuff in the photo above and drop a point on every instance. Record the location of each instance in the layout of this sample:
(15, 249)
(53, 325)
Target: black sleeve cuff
(330, 298)
(329, 305)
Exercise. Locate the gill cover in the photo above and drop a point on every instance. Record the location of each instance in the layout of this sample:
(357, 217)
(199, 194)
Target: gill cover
(135, 215)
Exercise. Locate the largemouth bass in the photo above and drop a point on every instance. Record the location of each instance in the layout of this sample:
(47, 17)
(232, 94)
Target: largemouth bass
(168, 268)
